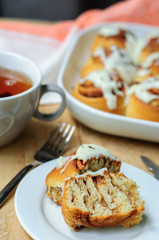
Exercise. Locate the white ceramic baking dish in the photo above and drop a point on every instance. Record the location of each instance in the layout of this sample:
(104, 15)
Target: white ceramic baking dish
(69, 75)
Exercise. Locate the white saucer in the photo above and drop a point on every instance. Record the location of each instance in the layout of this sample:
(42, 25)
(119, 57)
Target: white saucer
(42, 219)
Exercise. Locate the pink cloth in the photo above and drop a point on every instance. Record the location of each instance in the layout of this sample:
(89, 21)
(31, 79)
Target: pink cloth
(137, 11)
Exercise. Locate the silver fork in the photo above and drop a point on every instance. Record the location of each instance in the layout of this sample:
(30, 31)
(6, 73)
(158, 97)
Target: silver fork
(52, 149)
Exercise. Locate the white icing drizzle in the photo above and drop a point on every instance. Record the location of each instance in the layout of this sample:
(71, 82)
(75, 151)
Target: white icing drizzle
(140, 90)
(88, 151)
(150, 59)
(102, 79)
(84, 153)
(93, 174)
(66, 220)
(145, 39)
(142, 42)
(130, 44)
(61, 161)
(68, 159)
(137, 51)
(145, 66)
(109, 31)
(118, 60)
(100, 52)
(143, 72)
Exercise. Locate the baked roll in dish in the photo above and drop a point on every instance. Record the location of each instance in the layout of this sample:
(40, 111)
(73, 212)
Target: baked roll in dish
(143, 100)
(101, 199)
(102, 90)
(120, 61)
(114, 59)
(147, 45)
(95, 62)
(108, 36)
(149, 68)
(87, 158)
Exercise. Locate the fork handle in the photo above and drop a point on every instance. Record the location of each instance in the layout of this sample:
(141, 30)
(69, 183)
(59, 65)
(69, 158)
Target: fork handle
(11, 185)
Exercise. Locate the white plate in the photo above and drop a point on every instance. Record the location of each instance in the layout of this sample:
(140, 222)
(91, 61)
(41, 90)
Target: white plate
(42, 219)
(78, 53)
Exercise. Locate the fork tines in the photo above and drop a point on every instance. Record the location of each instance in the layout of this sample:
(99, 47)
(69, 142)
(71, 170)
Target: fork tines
(59, 138)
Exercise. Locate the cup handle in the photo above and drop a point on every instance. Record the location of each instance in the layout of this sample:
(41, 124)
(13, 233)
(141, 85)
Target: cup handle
(6, 123)
(51, 116)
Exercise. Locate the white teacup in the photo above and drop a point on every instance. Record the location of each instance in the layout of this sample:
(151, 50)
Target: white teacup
(16, 110)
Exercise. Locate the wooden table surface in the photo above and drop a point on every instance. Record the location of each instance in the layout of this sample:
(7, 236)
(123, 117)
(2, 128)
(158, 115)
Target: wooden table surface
(20, 153)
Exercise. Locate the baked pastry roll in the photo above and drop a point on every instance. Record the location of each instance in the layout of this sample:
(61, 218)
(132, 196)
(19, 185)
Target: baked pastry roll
(147, 45)
(108, 36)
(87, 158)
(101, 199)
(114, 59)
(102, 90)
(149, 68)
(143, 100)
(95, 62)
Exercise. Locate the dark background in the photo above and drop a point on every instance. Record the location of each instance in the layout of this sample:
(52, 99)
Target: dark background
(49, 9)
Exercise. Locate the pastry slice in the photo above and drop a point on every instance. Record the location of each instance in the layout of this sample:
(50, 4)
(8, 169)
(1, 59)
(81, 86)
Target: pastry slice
(87, 158)
(101, 199)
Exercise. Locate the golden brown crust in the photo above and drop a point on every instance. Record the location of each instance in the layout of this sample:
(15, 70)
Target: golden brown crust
(138, 109)
(140, 79)
(56, 177)
(153, 71)
(99, 103)
(151, 47)
(155, 68)
(92, 64)
(77, 219)
(118, 40)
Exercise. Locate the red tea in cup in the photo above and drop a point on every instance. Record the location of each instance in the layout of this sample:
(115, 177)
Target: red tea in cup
(12, 82)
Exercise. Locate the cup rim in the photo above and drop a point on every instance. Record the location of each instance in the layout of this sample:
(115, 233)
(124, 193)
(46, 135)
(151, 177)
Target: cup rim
(19, 56)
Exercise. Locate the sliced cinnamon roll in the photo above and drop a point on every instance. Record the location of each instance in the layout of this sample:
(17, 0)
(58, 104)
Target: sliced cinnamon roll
(143, 100)
(87, 158)
(114, 59)
(103, 91)
(101, 199)
(108, 36)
